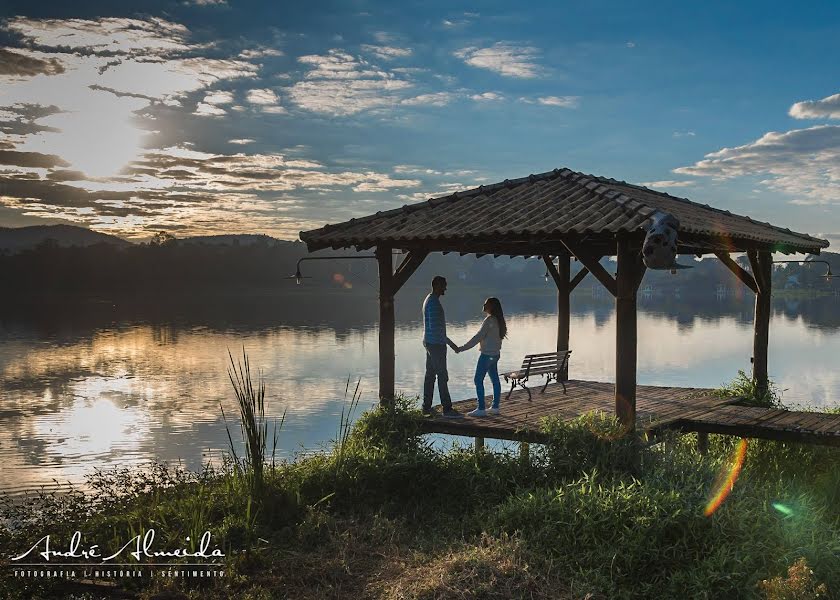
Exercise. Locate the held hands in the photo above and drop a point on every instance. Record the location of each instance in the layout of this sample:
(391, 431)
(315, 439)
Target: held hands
(454, 346)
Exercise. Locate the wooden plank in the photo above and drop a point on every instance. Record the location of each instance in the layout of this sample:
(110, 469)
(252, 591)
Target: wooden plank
(829, 425)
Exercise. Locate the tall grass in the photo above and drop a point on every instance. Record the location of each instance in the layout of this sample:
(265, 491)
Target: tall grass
(252, 423)
(346, 421)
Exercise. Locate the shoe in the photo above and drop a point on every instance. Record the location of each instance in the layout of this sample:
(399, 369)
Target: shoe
(428, 412)
(477, 413)
(452, 413)
(493, 411)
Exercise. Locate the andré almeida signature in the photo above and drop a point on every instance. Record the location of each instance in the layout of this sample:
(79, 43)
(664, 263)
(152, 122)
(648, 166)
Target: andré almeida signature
(142, 547)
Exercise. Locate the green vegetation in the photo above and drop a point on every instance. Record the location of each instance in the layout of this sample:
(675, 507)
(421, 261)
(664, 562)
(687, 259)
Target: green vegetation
(744, 387)
(384, 514)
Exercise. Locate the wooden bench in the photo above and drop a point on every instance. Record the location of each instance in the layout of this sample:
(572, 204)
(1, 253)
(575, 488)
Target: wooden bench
(551, 365)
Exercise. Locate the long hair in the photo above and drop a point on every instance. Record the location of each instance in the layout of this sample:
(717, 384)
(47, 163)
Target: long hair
(496, 311)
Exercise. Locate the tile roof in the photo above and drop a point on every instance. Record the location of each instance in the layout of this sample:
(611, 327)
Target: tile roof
(557, 204)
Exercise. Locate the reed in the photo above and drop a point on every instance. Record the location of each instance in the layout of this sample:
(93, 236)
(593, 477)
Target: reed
(252, 423)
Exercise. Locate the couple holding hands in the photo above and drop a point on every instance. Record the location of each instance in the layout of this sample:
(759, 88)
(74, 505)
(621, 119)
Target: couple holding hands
(489, 339)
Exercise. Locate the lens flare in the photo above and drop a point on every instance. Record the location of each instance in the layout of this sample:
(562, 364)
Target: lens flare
(785, 510)
(725, 487)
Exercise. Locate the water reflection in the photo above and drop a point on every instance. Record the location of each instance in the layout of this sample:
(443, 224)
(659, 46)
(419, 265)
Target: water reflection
(97, 384)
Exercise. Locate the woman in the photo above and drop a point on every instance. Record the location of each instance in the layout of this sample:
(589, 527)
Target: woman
(489, 338)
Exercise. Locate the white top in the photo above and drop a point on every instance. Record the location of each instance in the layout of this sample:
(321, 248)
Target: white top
(488, 338)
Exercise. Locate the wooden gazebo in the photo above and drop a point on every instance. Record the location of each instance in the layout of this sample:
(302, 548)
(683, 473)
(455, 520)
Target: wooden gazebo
(556, 216)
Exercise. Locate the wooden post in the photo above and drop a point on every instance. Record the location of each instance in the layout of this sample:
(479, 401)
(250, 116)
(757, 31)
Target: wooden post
(563, 306)
(627, 282)
(702, 442)
(386, 326)
(479, 445)
(762, 263)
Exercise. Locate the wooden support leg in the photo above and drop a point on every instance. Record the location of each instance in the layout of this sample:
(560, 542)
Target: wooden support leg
(702, 442)
(479, 445)
(761, 325)
(524, 452)
(564, 309)
(627, 282)
(386, 326)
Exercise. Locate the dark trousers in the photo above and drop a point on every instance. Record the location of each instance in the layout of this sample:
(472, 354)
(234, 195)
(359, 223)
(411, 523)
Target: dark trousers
(436, 367)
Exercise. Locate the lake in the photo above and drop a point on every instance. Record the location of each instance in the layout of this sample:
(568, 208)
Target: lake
(96, 383)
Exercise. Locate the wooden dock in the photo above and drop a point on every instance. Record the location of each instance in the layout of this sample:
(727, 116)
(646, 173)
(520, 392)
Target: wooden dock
(657, 409)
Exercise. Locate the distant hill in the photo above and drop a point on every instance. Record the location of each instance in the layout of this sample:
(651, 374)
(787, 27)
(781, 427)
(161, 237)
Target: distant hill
(241, 239)
(16, 239)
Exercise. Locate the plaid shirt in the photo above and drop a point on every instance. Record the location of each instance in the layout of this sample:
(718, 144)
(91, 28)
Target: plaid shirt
(434, 321)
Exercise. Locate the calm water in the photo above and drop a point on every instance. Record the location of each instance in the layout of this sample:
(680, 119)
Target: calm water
(86, 384)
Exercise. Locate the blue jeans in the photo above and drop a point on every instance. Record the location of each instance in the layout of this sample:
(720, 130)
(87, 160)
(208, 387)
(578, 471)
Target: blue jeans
(487, 364)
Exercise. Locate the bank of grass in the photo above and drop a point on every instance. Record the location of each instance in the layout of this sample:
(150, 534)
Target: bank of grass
(384, 515)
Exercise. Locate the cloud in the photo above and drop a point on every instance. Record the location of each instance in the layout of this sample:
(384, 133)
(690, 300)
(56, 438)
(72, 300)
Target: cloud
(266, 100)
(561, 101)
(804, 163)
(461, 21)
(505, 58)
(386, 52)
(260, 53)
(263, 96)
(679, 134)
(340, 84)
(207, 2)
(487, 97)
(111, 36)
(828, 108)
(667, 183)
(113, 71)
(219, 97)
(435, 99)
(22, 119)
(241, 141)
(209, 110)
(31, 159)
(18, 64)
(195, 190)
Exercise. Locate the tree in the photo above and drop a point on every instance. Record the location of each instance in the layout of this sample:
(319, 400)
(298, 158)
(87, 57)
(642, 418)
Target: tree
(162, 238)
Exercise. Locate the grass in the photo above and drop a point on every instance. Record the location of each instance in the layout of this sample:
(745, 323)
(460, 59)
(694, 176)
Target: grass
(382, 514)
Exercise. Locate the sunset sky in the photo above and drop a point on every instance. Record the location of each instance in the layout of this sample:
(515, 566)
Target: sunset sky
(206, 116)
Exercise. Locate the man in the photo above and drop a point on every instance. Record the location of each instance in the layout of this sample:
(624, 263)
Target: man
(435, 342)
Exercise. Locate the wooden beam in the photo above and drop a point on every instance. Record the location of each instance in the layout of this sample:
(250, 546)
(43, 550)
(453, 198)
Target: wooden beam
(386, 326)
(627, 281)
(755, 265)
(594, 267)
(747, 279)
(407, 267)
(578, 278)
(552, 270)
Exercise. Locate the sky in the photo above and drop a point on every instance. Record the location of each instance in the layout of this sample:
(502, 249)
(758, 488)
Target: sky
(201, 117)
